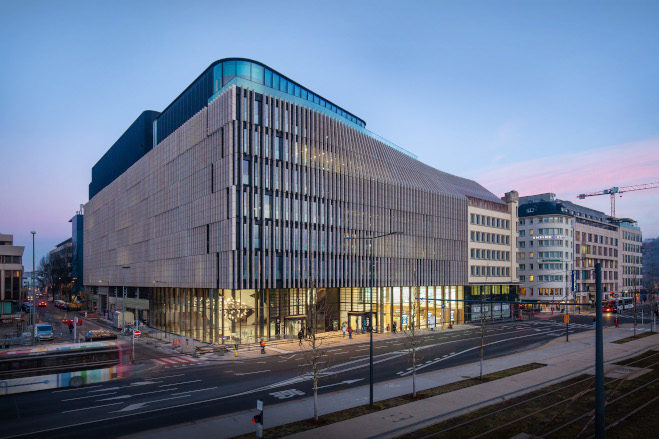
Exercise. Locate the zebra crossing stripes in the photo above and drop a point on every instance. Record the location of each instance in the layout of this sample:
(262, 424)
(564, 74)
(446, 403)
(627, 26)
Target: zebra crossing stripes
(175, 360)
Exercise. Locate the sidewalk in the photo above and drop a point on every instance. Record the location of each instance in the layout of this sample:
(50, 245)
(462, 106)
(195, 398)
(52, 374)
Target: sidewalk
(563, 360)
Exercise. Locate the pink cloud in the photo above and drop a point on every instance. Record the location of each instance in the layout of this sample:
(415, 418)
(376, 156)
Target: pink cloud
(570, 174)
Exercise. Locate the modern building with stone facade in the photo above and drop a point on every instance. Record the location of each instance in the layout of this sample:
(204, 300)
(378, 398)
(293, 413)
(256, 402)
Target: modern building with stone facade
(559, 244)
(248, 214)
(11, 273)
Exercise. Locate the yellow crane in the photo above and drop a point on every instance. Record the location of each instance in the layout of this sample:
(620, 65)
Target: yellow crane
(618, 190)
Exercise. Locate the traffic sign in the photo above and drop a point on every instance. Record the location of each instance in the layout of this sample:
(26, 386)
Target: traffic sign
(137, 333)
(566, 318)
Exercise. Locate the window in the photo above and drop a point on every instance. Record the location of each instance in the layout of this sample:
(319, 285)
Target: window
(245, 179)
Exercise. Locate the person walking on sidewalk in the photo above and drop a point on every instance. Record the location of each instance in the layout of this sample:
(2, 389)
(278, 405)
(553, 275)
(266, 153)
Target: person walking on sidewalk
(300, 336)
(349, 332)
(616, 321)
(343, 328)
(262, 346)
(393, 327)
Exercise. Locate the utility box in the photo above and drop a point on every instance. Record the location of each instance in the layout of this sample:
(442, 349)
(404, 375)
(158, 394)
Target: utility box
(122, 318)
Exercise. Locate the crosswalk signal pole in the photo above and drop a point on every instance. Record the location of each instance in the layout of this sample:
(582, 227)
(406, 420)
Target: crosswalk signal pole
(258, 418)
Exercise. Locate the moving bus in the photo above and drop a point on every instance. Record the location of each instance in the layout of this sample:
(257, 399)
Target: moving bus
(61, 365)
(615, 305)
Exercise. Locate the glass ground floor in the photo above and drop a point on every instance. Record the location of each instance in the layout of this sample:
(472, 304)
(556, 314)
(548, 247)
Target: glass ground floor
(244, 316)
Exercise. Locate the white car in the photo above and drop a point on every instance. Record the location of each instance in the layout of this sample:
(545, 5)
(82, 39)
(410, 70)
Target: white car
(43, 331)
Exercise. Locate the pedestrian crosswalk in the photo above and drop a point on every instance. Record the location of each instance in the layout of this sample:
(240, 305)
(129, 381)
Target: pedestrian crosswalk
(178, 360)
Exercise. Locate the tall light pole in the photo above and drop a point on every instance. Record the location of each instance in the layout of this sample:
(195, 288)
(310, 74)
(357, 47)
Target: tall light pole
(370, 239)
(123, 297)
(33, 295)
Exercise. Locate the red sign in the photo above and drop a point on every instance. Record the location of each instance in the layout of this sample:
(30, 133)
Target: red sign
(137, 333)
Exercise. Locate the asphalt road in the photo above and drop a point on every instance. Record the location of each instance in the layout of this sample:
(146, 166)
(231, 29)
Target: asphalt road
(158, 396)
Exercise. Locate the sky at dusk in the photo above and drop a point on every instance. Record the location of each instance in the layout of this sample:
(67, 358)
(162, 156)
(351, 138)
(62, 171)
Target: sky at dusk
(541, 96)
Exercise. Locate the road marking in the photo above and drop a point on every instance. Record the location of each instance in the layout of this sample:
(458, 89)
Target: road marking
(193, 391)
(92, 407)
(177, 384)
(285, 394)
(251, 373)
(79, 388)
(342, 382)
(137, 394)
(171, 376)
(104, 390)
(89, 396)
(139, 405)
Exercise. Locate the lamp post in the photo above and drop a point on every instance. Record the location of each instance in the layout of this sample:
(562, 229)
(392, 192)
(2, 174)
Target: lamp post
(123, 297)
(370, 239)
(33, 294)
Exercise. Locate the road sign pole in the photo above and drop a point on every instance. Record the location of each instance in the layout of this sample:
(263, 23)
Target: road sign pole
(133, 353)
(600, 401)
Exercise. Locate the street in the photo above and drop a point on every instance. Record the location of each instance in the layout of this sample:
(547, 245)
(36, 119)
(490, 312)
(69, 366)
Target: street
(161, 395)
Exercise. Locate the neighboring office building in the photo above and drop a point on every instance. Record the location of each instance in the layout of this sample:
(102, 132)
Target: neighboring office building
(61, 265)
(630, 247)
(77, 250)
(545, 250)
(233, 226)
(492, 255)
(561, 265)
(11, 274)
(651, 265)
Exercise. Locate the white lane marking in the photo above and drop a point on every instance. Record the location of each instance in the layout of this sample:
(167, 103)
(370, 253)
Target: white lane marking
(193, 391)
(454, 354)
(79, 388)
(104, 390)
(182, 382)
(89, 396)
(144, 383)
(342, 382)
(137, 394)
(251, 373)
(171, 376)
(92, 407)
(139, 405)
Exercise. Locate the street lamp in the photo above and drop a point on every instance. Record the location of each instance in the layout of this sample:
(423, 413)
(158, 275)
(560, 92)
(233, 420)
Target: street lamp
(33, 294)
(370, 316)
(123, 297)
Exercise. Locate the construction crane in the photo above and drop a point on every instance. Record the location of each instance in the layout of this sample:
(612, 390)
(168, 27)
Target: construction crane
(618, 190)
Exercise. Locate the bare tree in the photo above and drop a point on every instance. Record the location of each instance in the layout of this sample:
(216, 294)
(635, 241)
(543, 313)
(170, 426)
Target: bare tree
(316, 358)
(412, 338)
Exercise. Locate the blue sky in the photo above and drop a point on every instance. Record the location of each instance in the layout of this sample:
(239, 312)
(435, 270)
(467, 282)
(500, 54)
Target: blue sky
(502, 92)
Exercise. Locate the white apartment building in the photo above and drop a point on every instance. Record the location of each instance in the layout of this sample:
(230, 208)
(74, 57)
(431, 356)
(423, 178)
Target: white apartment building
(559, 244)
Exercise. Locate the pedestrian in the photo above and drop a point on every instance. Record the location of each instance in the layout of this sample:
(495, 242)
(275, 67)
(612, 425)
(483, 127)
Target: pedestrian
(343, 328)
(300, 336)
(262, 346)
(387, 327)
(594, 322)
(616, 321)
(309, 331)
(393, 327)
(70, 327)
(349, 332)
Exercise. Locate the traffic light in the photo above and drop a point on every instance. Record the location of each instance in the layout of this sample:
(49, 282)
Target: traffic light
(258, 418)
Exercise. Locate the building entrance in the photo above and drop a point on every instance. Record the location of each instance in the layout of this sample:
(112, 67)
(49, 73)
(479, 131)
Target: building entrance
(359, 321)
(293, 325)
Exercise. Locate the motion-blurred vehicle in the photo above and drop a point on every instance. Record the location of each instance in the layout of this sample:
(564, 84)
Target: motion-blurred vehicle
(43, 331)
(62, 365)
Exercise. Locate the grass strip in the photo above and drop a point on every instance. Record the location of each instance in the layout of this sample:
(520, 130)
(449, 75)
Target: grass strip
(636, 337)
(343, 415)
(564, 409)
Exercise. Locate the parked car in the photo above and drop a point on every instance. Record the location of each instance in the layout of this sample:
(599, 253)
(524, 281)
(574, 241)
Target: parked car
(60, 304)
(26, 306)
